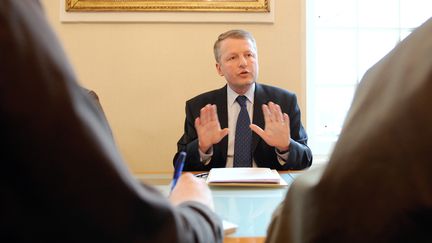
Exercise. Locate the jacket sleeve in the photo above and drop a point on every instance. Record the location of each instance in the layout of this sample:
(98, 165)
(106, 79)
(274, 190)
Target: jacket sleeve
(300, 155)
(189, 143)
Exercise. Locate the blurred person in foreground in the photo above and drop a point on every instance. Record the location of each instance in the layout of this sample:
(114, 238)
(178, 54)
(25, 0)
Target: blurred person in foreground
(62, 177)
(377, 186)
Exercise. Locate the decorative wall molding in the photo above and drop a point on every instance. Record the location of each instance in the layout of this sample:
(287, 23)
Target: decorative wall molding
(169, 17)
(168, 5)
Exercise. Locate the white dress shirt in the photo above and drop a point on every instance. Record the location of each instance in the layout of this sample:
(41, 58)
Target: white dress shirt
(233, 112)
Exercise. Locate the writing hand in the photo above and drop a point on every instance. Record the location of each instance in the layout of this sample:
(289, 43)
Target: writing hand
(277, 127)
(208, 128)
(190, 188)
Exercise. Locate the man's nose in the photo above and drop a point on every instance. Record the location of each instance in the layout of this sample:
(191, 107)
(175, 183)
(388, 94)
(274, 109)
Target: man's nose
(242, 61)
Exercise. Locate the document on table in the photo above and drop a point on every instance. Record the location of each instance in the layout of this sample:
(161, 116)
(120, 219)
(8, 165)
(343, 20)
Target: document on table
(229, 227)
(245, 177)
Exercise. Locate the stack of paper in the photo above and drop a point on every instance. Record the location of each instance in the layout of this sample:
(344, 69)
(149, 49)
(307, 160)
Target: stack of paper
(229, 227)
(245, 177)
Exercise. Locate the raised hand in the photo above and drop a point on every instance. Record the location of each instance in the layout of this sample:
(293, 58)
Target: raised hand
(277, 127)
(208, 128)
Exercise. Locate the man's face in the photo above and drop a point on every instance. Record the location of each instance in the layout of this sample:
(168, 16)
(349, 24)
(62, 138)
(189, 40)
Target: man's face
(238, 63)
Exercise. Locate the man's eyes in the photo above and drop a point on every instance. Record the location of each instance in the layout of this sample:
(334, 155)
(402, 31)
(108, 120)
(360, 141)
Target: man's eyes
(247, 55)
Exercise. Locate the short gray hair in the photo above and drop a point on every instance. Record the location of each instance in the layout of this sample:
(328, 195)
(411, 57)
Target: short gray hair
(234, 34)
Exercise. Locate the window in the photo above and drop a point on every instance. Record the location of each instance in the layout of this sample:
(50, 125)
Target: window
(344, 39)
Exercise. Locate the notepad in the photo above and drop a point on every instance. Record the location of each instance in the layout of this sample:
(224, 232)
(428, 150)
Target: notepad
(245, 177)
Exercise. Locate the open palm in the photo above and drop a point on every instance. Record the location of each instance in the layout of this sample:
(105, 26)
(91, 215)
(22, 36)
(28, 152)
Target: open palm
(277, 127)
(208, 128)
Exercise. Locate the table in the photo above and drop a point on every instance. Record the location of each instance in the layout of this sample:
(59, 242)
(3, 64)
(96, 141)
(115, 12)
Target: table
(250, 208)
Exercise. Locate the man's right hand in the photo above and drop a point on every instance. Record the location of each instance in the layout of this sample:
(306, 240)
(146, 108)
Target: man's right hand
(190, 188)
(208, 128)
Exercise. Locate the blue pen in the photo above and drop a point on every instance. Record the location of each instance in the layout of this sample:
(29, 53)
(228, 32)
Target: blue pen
(178, 168)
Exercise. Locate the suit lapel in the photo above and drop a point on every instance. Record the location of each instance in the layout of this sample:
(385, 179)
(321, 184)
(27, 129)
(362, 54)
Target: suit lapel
(221, 103)
(222, 111)
(258, 117)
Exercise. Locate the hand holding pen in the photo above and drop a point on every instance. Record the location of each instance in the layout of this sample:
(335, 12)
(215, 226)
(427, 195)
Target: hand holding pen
(187, 187)
(178, 169)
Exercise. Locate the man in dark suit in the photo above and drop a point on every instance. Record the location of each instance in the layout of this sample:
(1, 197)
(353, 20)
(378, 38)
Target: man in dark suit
(62, 177)
(377, 186)
(281, 145)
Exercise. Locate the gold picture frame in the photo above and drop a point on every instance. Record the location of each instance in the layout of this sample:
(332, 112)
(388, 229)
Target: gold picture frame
(167, 6)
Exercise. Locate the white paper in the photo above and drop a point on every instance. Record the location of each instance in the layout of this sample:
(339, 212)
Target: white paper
(243, 175)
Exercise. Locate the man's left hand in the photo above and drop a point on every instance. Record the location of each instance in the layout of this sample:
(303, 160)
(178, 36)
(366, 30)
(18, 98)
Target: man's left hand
(277, 127)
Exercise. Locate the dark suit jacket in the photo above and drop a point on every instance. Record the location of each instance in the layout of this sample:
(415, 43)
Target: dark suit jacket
(300, 156)
(62, 178)
(377, 186)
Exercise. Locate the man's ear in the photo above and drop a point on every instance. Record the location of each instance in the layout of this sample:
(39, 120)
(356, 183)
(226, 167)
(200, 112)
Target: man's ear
(218, 68)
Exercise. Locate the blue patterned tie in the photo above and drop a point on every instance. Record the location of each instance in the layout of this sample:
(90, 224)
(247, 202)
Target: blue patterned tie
(243, 137)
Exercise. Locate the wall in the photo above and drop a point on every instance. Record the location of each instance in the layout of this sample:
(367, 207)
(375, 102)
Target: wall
(144, 72)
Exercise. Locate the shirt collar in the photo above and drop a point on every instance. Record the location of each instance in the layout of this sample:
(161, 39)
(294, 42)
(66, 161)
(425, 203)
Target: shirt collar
(232, 95)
